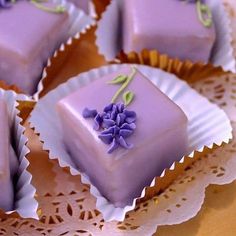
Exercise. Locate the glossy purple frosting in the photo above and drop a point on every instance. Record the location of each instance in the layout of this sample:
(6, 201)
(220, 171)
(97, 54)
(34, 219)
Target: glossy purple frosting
(8, 163)
(170, 26)
(28, 37)
(160, 137)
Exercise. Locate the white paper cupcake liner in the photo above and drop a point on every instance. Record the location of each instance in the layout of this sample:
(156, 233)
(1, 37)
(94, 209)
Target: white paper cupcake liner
(222, 54)
(208, 124)
(25, 204)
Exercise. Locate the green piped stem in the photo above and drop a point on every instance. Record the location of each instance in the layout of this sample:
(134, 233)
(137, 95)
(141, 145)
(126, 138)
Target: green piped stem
(57, 9)
(124, 85)
(204, 14)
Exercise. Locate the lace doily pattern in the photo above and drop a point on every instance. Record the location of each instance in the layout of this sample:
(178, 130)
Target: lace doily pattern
(67, 208)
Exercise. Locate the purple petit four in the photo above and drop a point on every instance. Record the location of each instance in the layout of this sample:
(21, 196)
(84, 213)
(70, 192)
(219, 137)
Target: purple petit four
(29, 36)
(180, 29)
(122, 131)
(8, 163)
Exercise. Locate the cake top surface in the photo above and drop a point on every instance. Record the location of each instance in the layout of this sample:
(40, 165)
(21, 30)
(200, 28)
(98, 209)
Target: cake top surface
(156, 114)
(24, 27)
(166, 17)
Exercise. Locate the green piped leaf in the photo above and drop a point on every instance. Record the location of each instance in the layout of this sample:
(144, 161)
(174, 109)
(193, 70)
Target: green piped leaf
(128, 97)
(39, 4)
(119, 79)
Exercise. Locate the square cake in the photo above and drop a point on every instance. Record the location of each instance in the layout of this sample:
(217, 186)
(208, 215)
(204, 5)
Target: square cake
(8, 162)
(122, 131)
(29, 36)
(171, 27)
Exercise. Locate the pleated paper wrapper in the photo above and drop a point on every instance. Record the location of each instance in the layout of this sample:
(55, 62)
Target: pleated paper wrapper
(25, 205)
(208, 127)
(108, 33)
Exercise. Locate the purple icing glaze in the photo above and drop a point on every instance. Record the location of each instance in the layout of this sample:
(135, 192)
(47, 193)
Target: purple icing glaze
(117, 123)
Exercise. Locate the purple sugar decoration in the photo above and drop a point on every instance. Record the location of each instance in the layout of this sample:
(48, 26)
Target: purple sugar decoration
(87, 113)
(5, 4)
(117, 124)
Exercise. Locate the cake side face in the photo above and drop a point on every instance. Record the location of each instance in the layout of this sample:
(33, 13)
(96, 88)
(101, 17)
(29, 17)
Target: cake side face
(29, 36)
(122, 174)
(6, 185)
(170, 26)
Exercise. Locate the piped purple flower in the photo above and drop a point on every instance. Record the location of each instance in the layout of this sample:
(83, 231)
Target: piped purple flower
(116, 124)
(88, 113)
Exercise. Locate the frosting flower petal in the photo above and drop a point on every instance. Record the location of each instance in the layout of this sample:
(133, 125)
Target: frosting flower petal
(126, 133)
(113, 146)
(120, 118)
(108, 108)
(88, 113)
(130, 126)
(108, 123)
(97, 122)
(106, 138)
(124, 144)
(130, 116)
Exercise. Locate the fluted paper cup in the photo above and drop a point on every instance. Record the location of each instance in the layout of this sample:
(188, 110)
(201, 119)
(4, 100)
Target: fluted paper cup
(25, 204)
(208, 127)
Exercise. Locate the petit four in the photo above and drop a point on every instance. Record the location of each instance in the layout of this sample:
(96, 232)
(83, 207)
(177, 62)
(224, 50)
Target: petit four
(8, 163)
(122, 131)
(178, 28)
(30, 32)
